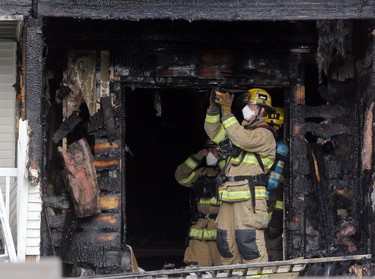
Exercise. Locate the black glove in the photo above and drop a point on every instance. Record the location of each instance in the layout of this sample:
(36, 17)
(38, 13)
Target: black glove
(275, 227)
(214, 107)
(205, 187)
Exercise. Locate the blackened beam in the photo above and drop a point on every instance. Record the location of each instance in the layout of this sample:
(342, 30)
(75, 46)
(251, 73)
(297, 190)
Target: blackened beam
(207, 10)
(325, 130)
(66, 127)
(198, 82)
(324, 111)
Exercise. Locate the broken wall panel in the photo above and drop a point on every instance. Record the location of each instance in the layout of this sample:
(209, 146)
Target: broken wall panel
(83, 185)
(81, 80)
(207, 10)
(104, 233)
(89, 226)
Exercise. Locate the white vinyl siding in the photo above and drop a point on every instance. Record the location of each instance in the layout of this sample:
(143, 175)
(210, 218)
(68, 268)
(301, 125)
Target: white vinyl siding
(34, 209)
(7, 125)
(25, 201)
(7, 104)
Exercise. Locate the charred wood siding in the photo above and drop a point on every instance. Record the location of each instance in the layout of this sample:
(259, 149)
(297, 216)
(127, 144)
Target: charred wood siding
(324, 195)
(104, 233)
(100, 239)
(92, 232)
(207, 10)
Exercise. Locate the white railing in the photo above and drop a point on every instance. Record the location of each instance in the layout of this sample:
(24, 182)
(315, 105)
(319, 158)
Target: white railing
(10, 174)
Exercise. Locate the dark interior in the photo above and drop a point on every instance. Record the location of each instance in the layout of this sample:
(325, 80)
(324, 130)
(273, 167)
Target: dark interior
(158, 211)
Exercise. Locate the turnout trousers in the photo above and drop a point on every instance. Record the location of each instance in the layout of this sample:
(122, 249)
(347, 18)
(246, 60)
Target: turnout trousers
(202, 253)
(240, 235)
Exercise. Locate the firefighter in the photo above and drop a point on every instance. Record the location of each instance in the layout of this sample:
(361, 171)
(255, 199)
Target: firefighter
(273, 235)
(200, 175)
(249, 151)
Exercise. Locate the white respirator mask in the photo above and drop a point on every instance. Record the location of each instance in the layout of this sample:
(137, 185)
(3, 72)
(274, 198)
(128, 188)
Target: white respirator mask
(247, 113)
(211, 160)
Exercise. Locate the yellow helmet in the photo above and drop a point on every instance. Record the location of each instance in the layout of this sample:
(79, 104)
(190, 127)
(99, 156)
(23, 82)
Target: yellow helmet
(260, 97)
(276, 118)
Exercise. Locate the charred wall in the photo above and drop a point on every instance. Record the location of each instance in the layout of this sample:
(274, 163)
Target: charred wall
(171, 66)
(176, 61)
(85, 224)
(328, 212)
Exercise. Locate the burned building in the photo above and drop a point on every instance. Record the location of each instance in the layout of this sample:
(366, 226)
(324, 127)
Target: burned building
(115, 94)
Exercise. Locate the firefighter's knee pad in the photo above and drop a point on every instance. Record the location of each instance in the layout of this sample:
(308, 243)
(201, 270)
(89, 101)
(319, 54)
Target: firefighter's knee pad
(247, 245)
(222, 244)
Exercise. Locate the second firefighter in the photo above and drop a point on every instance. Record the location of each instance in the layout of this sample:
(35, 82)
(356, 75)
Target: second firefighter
(199, 173)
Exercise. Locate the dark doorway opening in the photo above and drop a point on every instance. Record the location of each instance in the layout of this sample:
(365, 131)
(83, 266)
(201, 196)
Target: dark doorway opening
(163, 127)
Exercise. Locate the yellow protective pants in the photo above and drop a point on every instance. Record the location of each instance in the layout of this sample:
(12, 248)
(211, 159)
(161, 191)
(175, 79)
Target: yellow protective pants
(202, 253)
(240, 235)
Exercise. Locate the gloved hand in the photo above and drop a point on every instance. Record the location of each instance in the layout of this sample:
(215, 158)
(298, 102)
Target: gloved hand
(225, 102)
(245, 97)
(214, 107)
(275, 228)
(201, 153)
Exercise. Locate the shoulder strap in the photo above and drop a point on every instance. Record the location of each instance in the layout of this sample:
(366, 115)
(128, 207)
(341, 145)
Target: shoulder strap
(260, 162)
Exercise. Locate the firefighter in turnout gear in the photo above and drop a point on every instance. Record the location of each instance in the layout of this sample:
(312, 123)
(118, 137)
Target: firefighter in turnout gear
(249, 151)
(200, 175)
(274, 240)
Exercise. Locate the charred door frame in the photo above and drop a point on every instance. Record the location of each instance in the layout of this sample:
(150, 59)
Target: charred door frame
(293, 222)
(34, 98)
(301, 178)
(35, 94)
